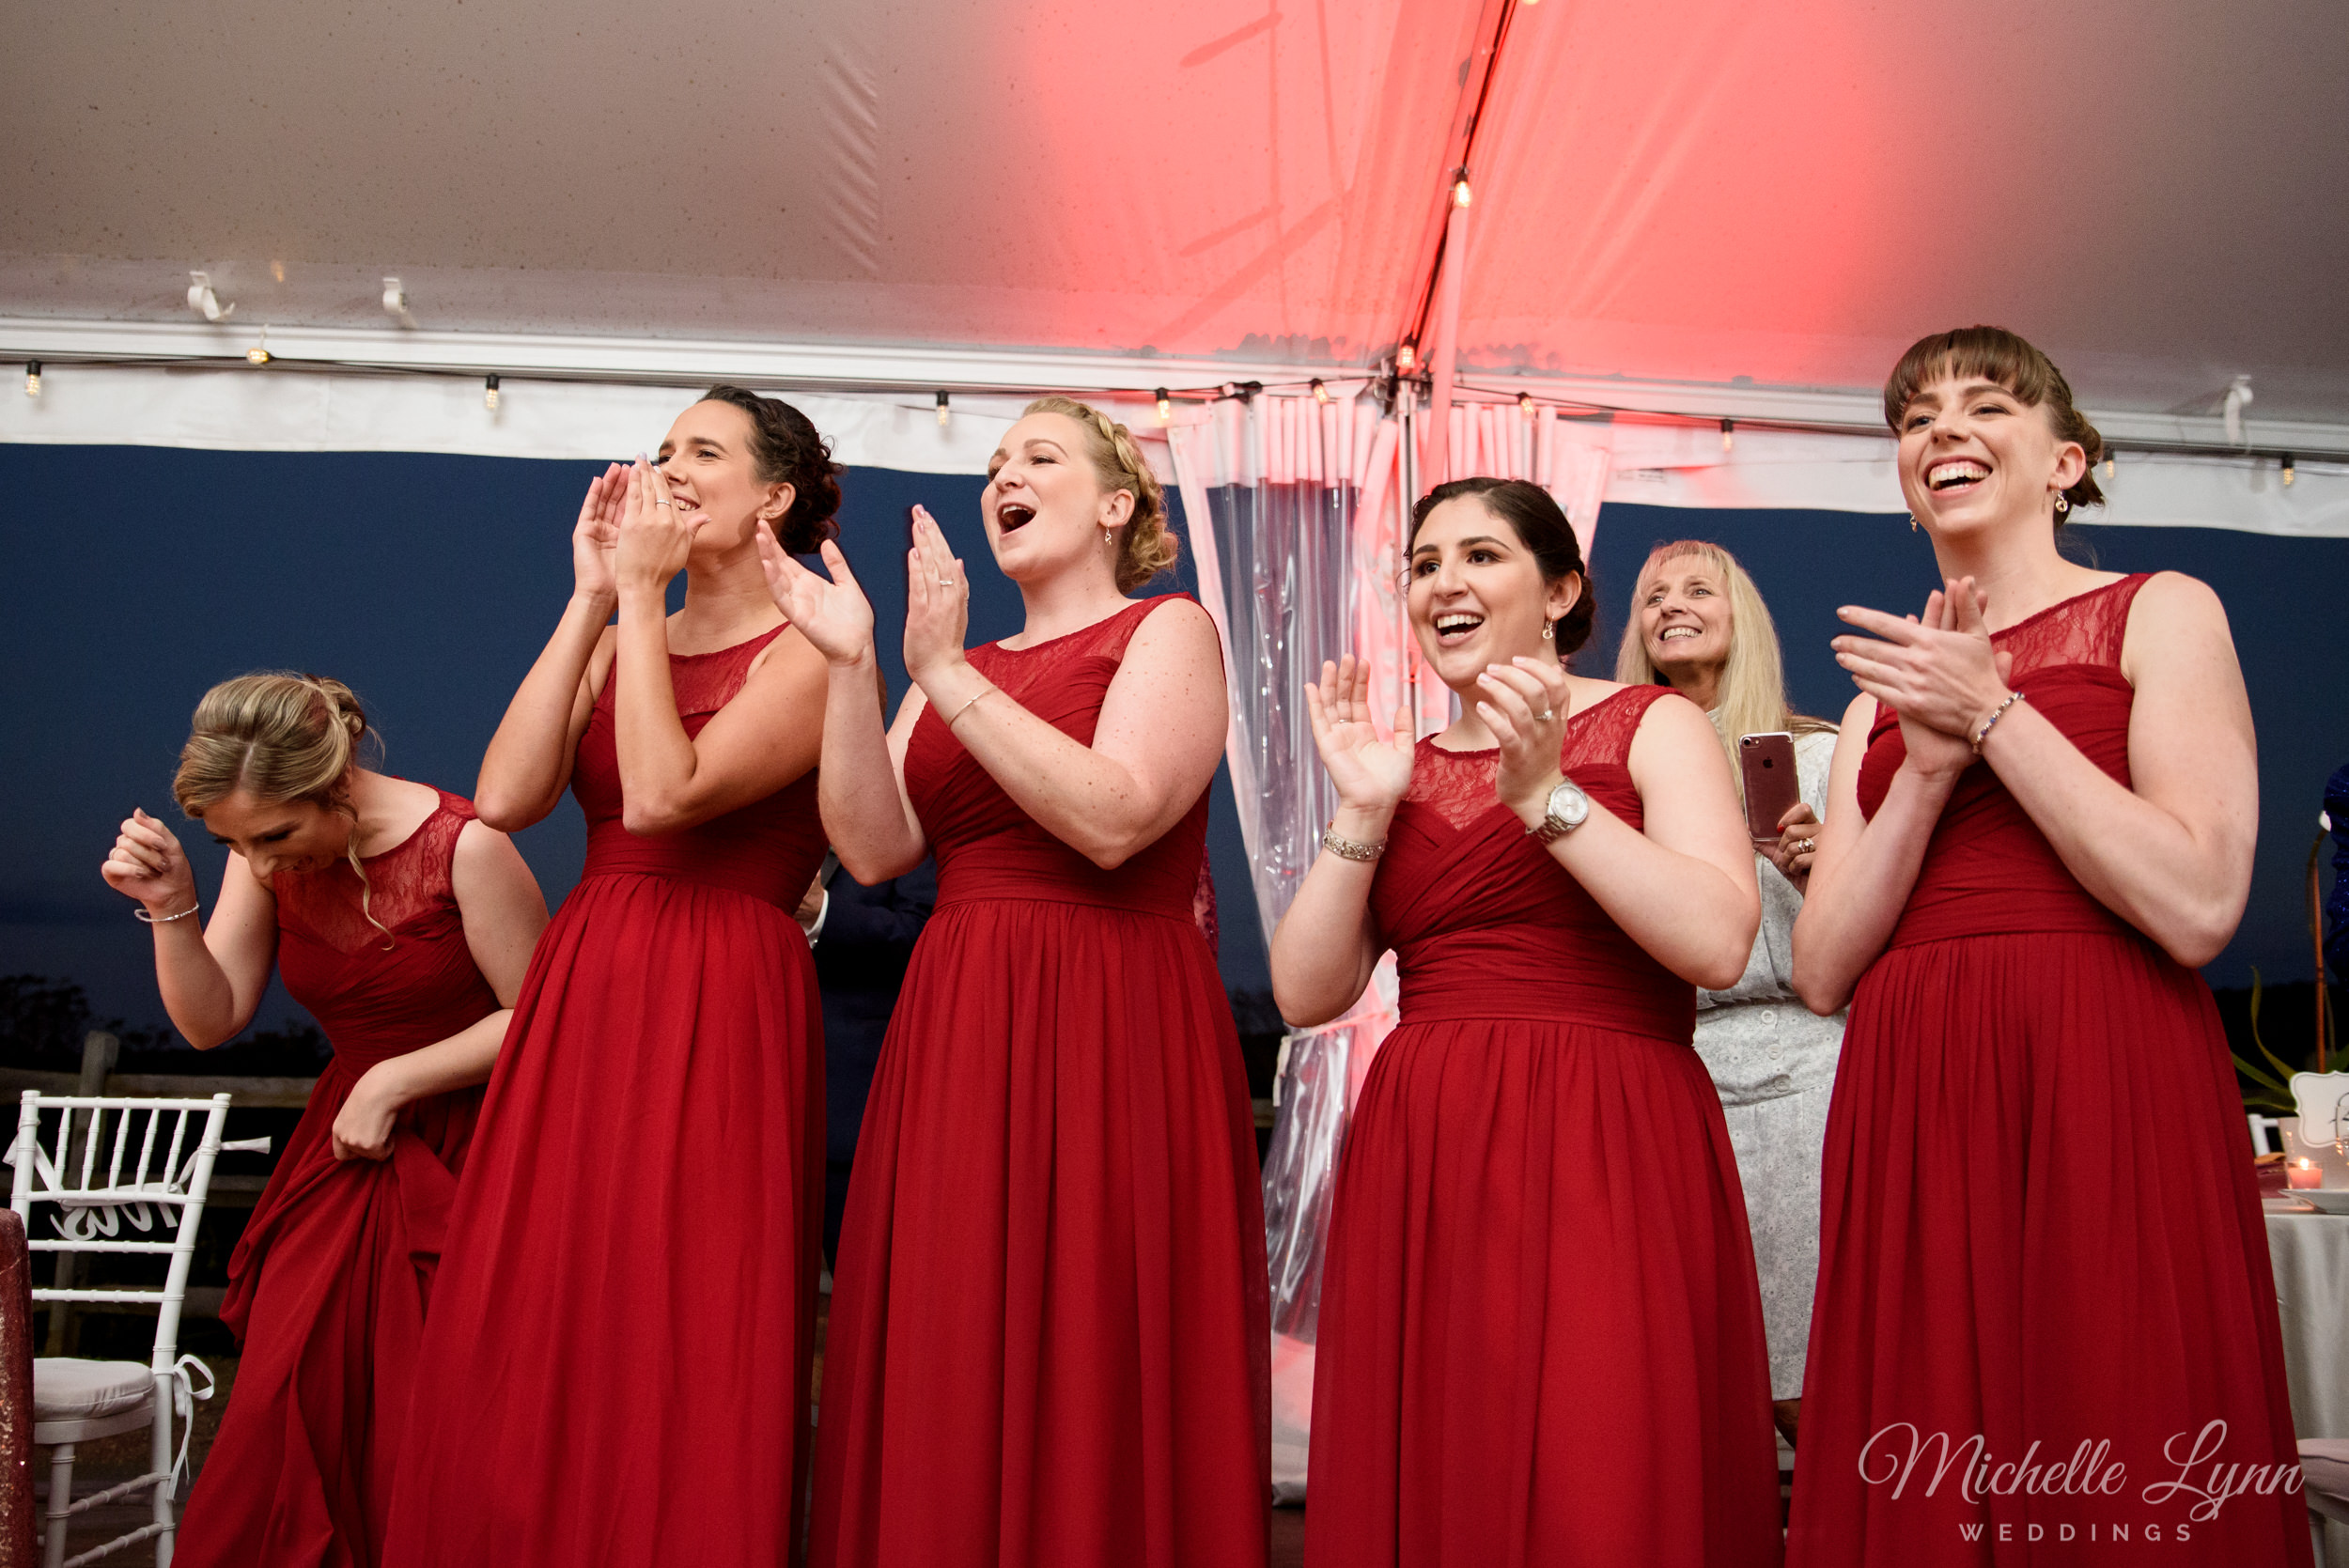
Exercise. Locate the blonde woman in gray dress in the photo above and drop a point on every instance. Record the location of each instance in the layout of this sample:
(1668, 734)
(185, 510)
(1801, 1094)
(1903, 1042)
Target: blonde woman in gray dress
(1698, 624)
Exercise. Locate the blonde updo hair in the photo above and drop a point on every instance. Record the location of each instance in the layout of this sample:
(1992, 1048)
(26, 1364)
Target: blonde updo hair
(283, 738)
(1147, 546)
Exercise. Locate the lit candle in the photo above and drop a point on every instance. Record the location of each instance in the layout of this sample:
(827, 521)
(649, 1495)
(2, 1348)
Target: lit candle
(2303, 1173)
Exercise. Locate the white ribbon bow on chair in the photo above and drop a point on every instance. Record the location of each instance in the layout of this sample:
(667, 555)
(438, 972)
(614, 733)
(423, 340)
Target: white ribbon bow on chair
(183, 1398)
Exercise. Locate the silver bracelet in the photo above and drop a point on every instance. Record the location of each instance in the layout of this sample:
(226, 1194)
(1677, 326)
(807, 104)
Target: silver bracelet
(1995, 714)
(140, 913)
(1350, 849)
(969, 705)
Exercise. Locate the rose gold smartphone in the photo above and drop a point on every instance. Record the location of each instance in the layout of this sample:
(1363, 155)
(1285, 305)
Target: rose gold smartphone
(1768, 762)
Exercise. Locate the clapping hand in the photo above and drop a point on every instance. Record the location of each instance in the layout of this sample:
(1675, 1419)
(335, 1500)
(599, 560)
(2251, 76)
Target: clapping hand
(146, 863)
(596, 536)
(653, 541)
(938, 602)
(1525, 706)
(1370, 774)
(835, 616)
(1939, 671)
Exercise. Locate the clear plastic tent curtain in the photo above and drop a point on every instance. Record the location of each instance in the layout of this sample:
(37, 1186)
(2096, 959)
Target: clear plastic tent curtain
(1296, 514)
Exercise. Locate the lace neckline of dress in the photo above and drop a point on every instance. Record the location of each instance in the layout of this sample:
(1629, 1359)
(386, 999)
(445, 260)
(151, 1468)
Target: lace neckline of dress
(2076, 600)
(416, 835)
(1572, 720)
(736, 647)
(1090, 626)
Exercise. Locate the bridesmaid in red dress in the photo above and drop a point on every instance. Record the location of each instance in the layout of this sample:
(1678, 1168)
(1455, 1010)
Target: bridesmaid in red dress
(404, 925)
(1541, 1338)
(618, 1367)
(1048, 1335)
(2040, 1247)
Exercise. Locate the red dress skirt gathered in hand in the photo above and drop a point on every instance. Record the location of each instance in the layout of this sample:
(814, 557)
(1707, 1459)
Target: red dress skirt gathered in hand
(328, 1285)
(1049, 1341)
(2042, 1246)
(1541, 1337)
(617, 1368)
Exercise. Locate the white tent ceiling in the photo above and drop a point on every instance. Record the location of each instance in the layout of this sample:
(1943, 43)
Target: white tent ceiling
(1696, 204)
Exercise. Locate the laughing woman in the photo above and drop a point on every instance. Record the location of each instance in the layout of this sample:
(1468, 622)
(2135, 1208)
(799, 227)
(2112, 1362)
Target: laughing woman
(617, 1369)
(1540, 1338)
(1048, 1333)
(404, 925)
(2040, 1231)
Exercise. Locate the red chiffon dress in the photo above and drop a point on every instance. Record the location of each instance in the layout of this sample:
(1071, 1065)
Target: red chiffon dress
(1541, 1338)
(2041, 1244)
(328, 1285)
(1048, 1340)
(617, 1371)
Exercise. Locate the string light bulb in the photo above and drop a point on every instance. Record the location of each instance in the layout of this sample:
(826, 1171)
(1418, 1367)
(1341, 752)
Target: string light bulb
(490, 395)
(1166, 406)
(1729, 435)
(1405, 357)
(1461, 195)
(32, 379)
(1321, 394)
(2108, 463)
(1525, 404)
(2288, 474)
(258, 353)
(943, 413)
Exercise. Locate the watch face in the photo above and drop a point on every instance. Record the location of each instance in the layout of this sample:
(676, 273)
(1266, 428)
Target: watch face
(1568, 804)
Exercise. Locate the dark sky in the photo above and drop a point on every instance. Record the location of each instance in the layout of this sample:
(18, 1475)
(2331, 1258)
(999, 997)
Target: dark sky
(430, 582)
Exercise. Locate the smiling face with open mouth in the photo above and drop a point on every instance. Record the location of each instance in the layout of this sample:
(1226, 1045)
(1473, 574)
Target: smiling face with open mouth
(711, 468)
(1974, 456)
(1476, 593)
(1685, 617)
(1044, 506)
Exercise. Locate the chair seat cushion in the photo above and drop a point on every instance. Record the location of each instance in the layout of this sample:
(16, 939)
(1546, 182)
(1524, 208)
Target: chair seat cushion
(66, 1389)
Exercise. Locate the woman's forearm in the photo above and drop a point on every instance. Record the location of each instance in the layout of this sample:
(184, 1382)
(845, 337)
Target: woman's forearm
(1327, 944)
(656, 756)
(866, 816)
(1091, 802)
(1852, 904)
(198, 992)
(528, 763)
(459, 1061)
(1682, 911)
(2182, 888)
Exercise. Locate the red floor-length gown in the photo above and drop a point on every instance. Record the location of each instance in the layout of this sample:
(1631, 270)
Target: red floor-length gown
(2040, 1225)
(1048, 1340)
(617, 1369)
(1541, 1338)
(328, 1285)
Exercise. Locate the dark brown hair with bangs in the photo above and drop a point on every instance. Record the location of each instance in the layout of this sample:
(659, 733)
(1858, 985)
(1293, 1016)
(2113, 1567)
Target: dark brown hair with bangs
(1996, 354)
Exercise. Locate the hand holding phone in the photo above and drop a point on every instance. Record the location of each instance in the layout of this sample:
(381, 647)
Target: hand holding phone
(1766, 763)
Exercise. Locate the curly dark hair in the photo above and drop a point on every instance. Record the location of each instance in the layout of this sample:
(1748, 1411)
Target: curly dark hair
(1542, 527)
(789, 451)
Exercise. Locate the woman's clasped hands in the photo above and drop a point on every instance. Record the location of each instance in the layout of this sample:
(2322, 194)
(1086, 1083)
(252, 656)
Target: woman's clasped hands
(652, 536)
(1939, 671)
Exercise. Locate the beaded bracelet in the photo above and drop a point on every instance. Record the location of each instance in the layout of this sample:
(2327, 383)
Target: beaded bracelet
(1350, 849)
(1995, 714)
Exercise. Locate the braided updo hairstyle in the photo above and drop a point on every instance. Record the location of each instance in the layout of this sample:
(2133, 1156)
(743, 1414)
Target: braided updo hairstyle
(789, 451)
(1996, 354)
(1146, 547)
(282, 737)
(1542, 527)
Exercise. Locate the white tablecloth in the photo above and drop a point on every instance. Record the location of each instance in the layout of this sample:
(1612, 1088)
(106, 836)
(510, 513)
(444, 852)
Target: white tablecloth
(2310, 1252)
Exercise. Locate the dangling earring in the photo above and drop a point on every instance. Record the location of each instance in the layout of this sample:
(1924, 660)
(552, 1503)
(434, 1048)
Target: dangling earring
(1912, 522)
(2064, 504)
(1549, 630)
(1108, 537)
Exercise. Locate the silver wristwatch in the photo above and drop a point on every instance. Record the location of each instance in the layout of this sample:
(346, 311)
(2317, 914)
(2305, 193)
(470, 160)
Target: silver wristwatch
(1568, 809)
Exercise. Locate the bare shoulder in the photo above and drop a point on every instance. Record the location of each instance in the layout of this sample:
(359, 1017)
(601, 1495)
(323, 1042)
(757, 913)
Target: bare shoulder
(1674, 722)
(2176, 623)
(1859, 716)
(1176, 626)
(478, 846)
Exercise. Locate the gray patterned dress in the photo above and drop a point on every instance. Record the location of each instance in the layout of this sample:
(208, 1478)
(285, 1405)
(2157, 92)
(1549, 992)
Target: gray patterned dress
(1773, 1060)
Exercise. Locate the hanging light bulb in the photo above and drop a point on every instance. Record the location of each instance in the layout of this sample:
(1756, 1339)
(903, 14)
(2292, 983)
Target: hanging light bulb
(490, 395)
(258, 353)
(2288, 474)
(1461, 195)
(1405, 357)
(942, 414)
(2107, 463)
(1729, 435)
(1166, 406)
(1525, 404)
(32, 379)
(1321, 394)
